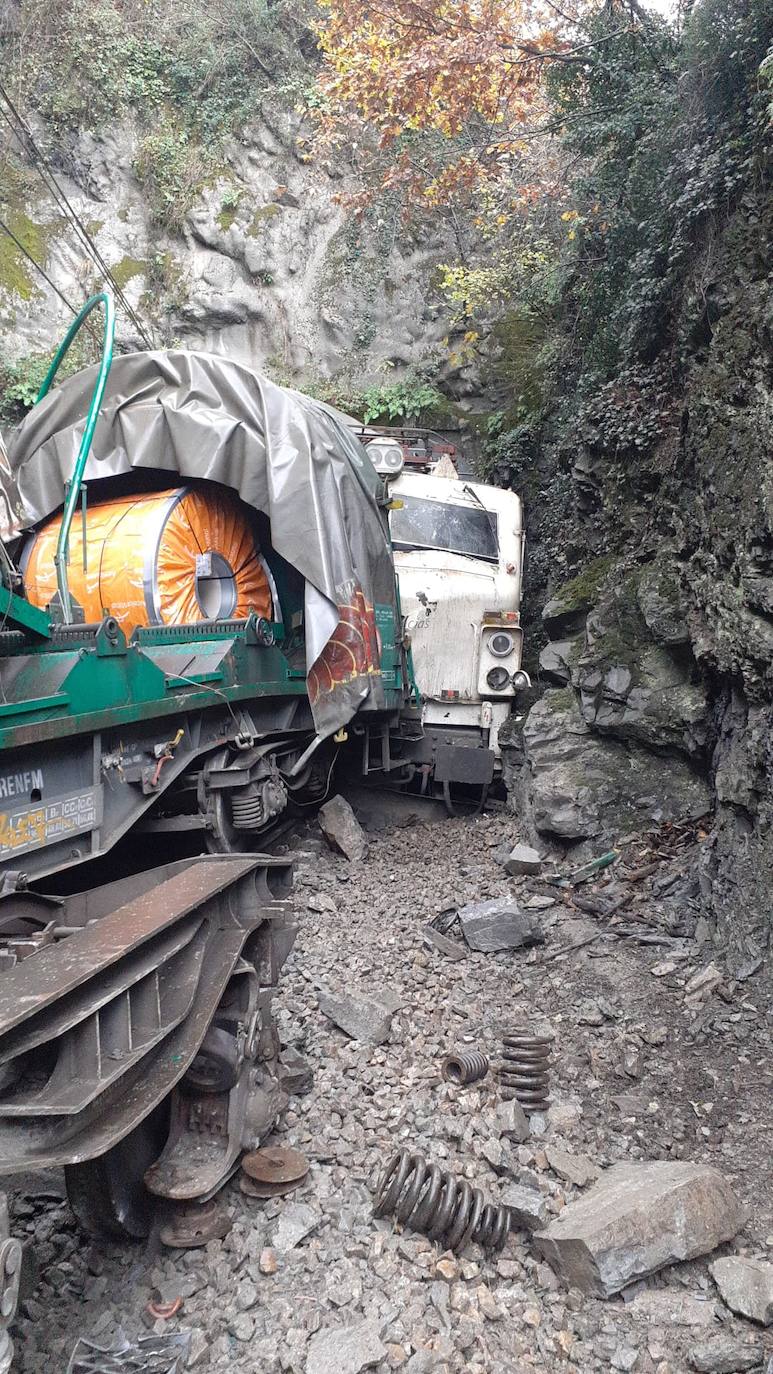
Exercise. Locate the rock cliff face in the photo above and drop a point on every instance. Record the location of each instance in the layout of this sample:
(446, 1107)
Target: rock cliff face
(659, 656)
(270, 266)
(657, 697)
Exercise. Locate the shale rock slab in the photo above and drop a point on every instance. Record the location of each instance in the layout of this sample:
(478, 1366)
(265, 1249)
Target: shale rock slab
(346, 1349)
(342, 830)
(635, 1220)
(746, 1286)
(499, 924)
(362, 1015)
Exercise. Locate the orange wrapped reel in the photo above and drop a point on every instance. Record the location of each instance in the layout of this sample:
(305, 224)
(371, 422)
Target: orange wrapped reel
(159, 558)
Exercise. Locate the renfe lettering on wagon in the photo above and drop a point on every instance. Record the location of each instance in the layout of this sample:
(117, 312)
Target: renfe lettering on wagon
(49, 821)
(21, 784)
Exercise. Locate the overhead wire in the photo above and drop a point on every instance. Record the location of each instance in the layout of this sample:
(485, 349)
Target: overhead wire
(21, 131)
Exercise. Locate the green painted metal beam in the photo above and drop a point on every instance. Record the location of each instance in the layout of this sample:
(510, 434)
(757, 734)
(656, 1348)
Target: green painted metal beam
(16, 613)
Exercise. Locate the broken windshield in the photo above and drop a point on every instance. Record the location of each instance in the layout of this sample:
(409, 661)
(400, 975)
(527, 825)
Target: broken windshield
(424, 524)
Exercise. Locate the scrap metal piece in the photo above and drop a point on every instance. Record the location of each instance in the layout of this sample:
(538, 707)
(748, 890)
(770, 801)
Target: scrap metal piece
(189, 1225)
(273, 1171)
(148, 1355)
(465, 1066)
(10, 1275)
(523, 1073)
(588, 870)
(429, 1199)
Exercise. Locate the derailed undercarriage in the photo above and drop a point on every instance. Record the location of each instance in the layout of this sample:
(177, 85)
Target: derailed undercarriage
(146, 1030)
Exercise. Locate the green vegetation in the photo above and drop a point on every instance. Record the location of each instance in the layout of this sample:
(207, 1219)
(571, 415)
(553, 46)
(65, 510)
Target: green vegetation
(590, 307)
(414, 400)
(190, 74)
(229, 207)
(21, 381)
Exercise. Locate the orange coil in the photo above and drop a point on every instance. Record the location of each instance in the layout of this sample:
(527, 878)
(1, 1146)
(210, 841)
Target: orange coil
(160, 558)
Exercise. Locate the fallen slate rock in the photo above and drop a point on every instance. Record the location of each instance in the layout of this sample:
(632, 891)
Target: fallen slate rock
(723, 1355)
(452, 948)
(346, 1349)
(296, 1221)
(746, 1286)
(636, 1219)
(498, 923)
(576, 1169)
(361, 1015)
(522, 859)
(342, 830)
(528, 1207)
(511, 1120)
(295, 1073)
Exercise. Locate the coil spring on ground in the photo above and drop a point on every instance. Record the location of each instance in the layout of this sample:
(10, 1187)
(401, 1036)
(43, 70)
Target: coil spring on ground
(429, 1199)
(523, 1073)
(466, 1066)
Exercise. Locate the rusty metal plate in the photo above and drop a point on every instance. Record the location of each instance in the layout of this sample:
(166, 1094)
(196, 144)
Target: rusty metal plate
(190, 1225)
(272, 1171)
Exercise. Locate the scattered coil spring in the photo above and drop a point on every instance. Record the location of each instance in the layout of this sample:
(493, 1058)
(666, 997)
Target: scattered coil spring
(523, 1073)
(466, 1066)
(429, 1199)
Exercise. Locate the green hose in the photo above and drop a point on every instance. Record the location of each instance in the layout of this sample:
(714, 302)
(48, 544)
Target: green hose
(73, 489)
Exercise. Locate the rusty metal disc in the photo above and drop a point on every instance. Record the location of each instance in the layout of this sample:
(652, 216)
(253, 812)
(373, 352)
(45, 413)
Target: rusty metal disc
(189, 1224)
(275, 1165)
(252, 1188)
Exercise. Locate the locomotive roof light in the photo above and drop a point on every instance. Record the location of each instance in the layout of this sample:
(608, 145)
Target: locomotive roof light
(387, 457)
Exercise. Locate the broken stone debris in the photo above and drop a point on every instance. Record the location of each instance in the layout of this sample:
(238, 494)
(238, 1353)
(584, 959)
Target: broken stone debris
(636, 1219)
(342, 830)
(522, 859)
(442, 942)
(511, 1120)
(723, 1355)
(746, 1286)
(528, 1208)
(346, 1349)
(362, 1016)
(498, 923)
(295, 1222)
(576, 1169)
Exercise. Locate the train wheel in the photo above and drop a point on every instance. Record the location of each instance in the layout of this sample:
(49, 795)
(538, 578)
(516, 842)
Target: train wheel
(108, 1194)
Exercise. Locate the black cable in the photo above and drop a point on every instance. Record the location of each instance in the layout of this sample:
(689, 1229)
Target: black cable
(69, 211)
(5, 228)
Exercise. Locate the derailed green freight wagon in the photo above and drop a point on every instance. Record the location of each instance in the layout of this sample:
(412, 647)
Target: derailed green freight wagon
(136, 1042)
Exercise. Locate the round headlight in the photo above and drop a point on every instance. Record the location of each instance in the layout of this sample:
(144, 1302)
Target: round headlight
(520, 681)
(501, 644)
(497, 679)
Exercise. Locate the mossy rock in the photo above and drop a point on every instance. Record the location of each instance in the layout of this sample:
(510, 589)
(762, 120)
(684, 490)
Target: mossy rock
(260, 219)
(127, 268)
(572, 601)
(17, 274)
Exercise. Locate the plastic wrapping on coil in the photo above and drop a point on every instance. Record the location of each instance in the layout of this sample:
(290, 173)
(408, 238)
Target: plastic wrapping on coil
(159, 558)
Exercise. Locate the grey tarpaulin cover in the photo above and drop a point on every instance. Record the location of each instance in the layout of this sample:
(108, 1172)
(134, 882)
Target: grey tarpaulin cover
(207, 417)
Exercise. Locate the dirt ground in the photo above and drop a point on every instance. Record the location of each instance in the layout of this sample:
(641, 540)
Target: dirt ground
(655, 1059)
